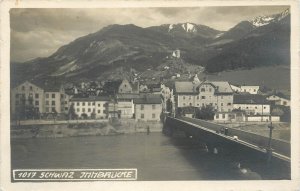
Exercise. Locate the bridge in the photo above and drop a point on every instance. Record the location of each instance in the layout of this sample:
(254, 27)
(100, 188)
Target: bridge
(237, 144)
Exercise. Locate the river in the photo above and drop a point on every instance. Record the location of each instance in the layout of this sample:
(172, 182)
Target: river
(156, 157)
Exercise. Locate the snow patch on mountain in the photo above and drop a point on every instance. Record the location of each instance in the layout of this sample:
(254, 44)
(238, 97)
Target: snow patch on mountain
(171, 26)
(188, 27)
(265, 20)
(219, 35)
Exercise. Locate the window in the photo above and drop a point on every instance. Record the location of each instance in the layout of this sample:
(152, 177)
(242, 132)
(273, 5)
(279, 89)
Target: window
(142, 107)
(211, 104)
(47, 109)
(125, 85)
(190, 97)
(78, 110)
(228, 103)
(183, 97)
(247, 107)
(264, 107)
(284, 103)
(89, 109)
(17, 95)
(62, 96)
(36, 96)
(77, 103)
(23, 88)
(53, 109)
(83, 103)
(254, 90)
(209, 89)
(93, 110)
(197, 97)
(99, 104)
(99, 111)
(255, 107)
(66, 108)
(89, 103)
(47, 102)
(47, 95)
(93, 103)
(183, 104)
(153, 106)
(53, 103)
(221, 104)
(142, 116)
(30, 88)
(37, 103)
(223, 115)
(202, 97)
(53, 95)
(217, 116)
(202, 89)
(83, 109)
(153, 115)
(190, 104)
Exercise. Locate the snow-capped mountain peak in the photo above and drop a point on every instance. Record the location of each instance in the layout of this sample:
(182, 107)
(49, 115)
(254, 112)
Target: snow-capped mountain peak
(187, 27)
(264, 20)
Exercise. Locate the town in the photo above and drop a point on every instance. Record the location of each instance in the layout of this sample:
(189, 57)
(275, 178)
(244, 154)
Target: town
(219, 101)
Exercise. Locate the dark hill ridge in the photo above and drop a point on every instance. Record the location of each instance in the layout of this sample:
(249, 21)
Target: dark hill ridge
(244, 46)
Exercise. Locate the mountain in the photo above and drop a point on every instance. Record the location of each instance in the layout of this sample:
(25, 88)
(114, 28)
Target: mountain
(265, 45)
(259, 42)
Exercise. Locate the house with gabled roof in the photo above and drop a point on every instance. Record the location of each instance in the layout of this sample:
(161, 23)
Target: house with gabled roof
(217, 94)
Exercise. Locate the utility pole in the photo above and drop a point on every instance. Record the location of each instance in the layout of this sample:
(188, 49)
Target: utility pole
(269, 148)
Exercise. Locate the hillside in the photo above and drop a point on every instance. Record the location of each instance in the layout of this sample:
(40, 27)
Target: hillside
(262, 41)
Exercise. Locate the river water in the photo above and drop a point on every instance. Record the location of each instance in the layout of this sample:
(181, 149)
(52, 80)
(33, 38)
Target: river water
(156, 157)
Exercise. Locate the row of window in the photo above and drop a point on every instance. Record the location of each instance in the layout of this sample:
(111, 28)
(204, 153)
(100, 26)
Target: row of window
(89, 110)
(30, 88)
(222, 104)
(143, 116)
(30, 95)
(198, 97)
(143, 107)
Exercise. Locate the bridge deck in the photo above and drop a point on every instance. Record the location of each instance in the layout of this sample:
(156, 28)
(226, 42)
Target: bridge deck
(281, 149)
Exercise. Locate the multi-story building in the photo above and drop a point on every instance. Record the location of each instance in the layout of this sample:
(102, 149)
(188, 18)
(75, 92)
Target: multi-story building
(279, 100)
(96, 106)
(216, 94)
(27, 93)
(46, 97)
(125, 104)
(252, 104)
(148, 108)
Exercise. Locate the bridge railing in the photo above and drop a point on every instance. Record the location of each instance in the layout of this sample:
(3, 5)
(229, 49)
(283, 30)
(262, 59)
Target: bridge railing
(279, 146)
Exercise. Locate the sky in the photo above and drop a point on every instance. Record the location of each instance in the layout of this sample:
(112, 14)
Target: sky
(40, 32)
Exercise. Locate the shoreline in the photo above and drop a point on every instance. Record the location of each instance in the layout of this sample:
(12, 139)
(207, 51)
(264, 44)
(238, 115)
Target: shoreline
(83, 129)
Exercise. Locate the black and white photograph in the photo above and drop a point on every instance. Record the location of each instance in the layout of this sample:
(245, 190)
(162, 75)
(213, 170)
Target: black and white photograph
(114, 94)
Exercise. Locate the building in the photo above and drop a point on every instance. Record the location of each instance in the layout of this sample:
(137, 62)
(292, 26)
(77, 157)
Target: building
(27, 94)
(93, 107)
(237, 116)
(128, 87)
(125, 104)
(250, 89)
(216, 94)
(176, 53)
(148, 107)
(279, 100)
(48, 97)
(252, 104)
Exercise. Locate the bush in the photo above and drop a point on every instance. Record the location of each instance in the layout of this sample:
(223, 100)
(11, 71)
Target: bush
(205, 112)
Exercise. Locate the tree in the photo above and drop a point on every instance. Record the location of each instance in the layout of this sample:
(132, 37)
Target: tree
(205, 112)
(71, 112)
(169, 105)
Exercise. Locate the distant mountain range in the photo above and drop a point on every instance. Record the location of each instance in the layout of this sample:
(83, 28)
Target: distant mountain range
(263, 41)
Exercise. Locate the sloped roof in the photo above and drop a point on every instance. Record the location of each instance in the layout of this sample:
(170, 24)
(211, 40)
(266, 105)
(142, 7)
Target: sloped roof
(148, 99)
(250, 99)
(186, 87)
(190, 87)
(128, 96)
(92, 98)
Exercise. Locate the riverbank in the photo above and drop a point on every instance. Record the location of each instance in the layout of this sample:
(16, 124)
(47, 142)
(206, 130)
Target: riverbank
(83, 129)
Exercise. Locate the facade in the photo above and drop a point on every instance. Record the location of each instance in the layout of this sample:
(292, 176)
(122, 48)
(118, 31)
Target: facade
(216, 94)
(148, 108)
(252, 104)
(46, 97)
(97, 106)
(125, 104)
(250, 89)
(229, 116)
(27, 93)
(127, 87)
(279, 100)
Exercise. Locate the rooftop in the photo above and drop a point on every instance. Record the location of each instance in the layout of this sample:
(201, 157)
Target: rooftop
(92, 98)
(148, 99)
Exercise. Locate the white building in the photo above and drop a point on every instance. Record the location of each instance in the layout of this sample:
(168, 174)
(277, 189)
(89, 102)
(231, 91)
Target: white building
(279, 100)
(91, 106)
(250, 89)
(217, 94)
(252, 104)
